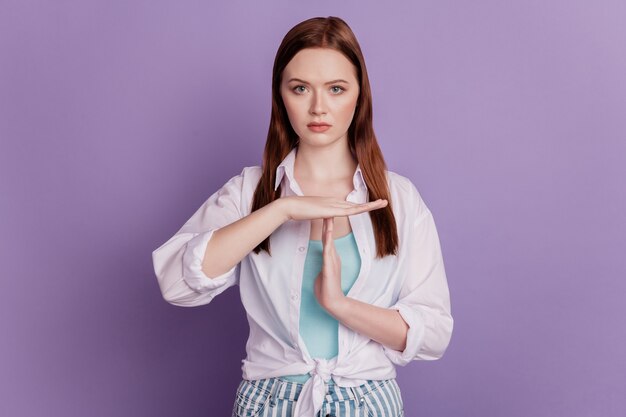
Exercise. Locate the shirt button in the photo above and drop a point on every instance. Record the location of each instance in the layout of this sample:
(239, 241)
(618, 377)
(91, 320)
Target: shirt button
(294, 297)
(301, 248)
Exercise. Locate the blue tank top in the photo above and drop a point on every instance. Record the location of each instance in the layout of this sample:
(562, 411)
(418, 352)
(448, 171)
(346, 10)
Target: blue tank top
(320, 330)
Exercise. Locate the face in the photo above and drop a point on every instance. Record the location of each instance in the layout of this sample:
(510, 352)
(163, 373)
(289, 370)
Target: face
(319, 85)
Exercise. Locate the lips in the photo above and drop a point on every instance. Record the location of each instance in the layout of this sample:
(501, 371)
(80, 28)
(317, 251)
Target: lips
(318, 124)
(318, 128)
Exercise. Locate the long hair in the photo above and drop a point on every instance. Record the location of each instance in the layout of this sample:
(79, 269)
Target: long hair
(328, 32)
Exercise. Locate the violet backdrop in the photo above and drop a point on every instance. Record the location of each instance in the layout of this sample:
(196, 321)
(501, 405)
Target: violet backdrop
(119, 118)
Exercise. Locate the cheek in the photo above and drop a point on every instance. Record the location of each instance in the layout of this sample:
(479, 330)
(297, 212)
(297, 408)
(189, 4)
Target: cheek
(293, 108)
(347, 109)
(294, 114)
(288, 108)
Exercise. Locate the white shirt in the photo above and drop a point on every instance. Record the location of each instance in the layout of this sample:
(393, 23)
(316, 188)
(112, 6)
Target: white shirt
(412, 282)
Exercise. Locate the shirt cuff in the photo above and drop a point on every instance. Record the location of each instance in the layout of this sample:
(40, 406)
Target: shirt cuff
(192, 265)
(414, 337)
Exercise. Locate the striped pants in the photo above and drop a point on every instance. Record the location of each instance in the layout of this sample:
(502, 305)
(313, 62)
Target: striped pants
(276, 397)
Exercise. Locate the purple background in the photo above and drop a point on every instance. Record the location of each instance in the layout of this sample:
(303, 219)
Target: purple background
(119, 118)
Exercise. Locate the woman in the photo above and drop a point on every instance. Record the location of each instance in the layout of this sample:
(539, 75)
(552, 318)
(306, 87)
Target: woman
(338, 260)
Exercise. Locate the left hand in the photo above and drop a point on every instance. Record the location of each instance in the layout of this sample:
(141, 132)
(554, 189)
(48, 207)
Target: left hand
(328, 283)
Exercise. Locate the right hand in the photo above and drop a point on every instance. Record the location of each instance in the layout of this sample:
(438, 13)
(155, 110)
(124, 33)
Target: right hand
(316, 207)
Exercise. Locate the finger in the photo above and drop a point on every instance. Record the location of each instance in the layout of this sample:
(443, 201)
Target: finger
(327, 232)
(345, 204)
(380, 202)
(372, 205)
(331, 241)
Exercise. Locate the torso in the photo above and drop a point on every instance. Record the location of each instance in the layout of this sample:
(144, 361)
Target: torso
(340, 189)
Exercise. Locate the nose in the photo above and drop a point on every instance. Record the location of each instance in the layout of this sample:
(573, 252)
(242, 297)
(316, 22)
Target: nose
(318, 105)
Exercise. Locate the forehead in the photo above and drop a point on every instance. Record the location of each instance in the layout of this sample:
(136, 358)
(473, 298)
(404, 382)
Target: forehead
(319, 65)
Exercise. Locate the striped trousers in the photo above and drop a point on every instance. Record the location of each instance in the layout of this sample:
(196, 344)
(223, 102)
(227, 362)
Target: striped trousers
(276, 397)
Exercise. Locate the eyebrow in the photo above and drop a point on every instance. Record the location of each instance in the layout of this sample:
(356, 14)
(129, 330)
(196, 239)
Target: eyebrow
(329, 82)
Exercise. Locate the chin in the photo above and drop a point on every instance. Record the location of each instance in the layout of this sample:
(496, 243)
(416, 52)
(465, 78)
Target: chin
(321, 141)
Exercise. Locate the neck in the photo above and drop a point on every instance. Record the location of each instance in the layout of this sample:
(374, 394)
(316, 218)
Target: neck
(324, 163)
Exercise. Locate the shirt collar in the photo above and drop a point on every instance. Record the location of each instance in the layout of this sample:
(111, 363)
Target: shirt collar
(286, 167)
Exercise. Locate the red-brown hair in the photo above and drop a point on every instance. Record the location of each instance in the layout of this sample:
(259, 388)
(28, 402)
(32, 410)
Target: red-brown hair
(328, 32)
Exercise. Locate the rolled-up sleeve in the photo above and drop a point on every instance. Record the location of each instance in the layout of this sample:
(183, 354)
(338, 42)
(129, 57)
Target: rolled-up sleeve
(424, 299)
(178, 262)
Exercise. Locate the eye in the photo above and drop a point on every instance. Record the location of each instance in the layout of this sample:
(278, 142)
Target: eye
(296, 88)
(341, 88)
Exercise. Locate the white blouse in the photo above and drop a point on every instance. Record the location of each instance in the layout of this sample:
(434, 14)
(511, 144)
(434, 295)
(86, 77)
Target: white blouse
(412, 282)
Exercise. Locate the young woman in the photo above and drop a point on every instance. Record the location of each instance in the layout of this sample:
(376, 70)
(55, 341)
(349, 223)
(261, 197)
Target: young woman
(338, 260)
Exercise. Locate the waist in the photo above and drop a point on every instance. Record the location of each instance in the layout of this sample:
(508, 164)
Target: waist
(302, 378)
(366, 362)
(281, 388)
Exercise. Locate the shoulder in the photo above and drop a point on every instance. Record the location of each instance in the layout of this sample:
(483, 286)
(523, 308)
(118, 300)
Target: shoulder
(251, 175)
(404, 195)
(242, 187)
(248, 177)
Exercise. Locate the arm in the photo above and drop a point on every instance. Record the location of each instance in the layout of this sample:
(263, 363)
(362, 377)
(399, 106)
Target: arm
(384, 325)
(424, 299)
(202, 259)
(419, 325)
(231, 243)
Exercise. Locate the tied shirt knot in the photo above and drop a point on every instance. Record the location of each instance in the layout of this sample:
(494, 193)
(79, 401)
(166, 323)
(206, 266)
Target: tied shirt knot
(314, 389)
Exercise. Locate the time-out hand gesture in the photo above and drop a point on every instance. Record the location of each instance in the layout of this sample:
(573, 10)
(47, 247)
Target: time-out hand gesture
(327, 285)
